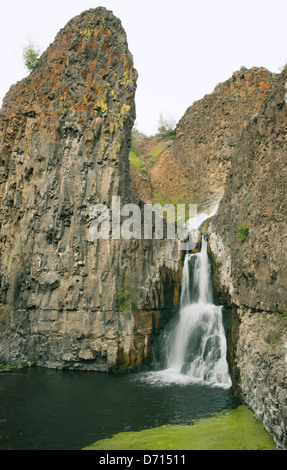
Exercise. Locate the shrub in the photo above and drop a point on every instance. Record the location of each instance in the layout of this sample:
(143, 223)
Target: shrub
(242, 232)
(126, 294)
(137, 137)
(31, 55)
(166, 125)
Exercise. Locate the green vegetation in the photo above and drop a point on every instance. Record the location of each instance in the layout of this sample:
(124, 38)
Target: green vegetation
(162, 141)
(136, 161)
(180, 218)
(31, 55)
(218, 264)
(232, 430)
(242, 232)
(124, 298)
(156, 151)
(281, 322)
(183, 196)
(11, 366)
(166, 125)
(126, 294)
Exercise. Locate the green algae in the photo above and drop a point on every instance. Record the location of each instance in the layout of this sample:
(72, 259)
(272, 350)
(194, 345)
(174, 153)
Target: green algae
(231, 430)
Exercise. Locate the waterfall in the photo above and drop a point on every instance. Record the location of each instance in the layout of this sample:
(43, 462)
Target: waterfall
(195, 347)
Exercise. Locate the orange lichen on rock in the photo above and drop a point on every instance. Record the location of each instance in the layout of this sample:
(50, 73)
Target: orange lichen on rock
(93, 66)
(264, 86)
(72, 73)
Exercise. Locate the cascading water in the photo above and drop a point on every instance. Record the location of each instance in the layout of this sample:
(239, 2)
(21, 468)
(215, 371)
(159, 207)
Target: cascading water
(196, 347)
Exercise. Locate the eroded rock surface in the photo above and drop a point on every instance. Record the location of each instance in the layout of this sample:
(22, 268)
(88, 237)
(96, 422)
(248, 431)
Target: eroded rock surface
(196, 165)
(248, 239)
(68, 300)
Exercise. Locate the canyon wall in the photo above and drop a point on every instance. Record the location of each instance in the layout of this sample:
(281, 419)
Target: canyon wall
(248, 240)
(196, 165)
(68, 299)
(232, 145)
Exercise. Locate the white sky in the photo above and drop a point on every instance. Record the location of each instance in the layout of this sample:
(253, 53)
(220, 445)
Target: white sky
(181, 48)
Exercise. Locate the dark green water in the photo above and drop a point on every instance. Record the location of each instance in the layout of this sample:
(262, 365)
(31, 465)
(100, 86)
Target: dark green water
(64, 410)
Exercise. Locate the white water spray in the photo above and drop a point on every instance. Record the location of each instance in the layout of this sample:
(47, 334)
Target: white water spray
(196, 348)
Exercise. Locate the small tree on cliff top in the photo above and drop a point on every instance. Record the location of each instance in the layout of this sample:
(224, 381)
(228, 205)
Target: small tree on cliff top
(31, 55)
(166, 125)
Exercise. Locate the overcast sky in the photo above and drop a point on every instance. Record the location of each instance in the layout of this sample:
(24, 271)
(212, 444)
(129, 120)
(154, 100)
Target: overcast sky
(181, 48)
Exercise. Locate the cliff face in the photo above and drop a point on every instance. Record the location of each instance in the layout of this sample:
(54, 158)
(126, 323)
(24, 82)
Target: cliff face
(248, 239)
(66, 299)
(71, 301)
(196, 165)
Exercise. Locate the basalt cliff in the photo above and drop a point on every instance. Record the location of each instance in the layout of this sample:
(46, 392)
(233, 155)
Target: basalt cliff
(248, 239)
(193, 167)
(230, 149)
(69, 300)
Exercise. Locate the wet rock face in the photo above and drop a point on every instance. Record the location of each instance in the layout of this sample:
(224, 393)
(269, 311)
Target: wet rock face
(65, 137)
(248, 239)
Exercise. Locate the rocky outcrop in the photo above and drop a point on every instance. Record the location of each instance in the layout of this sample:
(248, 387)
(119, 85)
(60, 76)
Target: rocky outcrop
(248, 239)
(68, 300)
(196, 165)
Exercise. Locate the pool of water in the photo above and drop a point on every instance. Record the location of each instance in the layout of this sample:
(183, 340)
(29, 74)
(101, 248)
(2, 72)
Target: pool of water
(42, 409)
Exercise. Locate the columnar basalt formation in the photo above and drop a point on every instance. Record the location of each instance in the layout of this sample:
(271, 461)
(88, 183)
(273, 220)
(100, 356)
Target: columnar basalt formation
(248, 239)
(68, 300)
